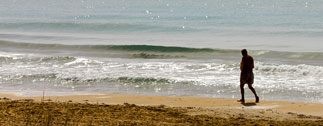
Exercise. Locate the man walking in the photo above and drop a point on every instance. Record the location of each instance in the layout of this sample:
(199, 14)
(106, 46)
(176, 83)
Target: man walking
(246, 67)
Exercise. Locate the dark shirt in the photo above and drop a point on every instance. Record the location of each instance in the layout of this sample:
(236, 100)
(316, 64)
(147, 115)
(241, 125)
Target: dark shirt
(246, 64)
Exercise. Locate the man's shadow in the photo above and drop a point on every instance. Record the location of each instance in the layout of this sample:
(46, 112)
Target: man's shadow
(249, 104)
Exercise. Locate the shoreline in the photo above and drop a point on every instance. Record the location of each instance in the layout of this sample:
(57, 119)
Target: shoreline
(221, 107)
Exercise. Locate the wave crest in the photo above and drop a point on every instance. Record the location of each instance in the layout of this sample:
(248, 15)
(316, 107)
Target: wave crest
(155, 51)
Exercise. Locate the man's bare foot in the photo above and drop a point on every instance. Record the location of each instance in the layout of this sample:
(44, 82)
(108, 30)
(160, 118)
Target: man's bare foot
(257, 99)
(241, 100)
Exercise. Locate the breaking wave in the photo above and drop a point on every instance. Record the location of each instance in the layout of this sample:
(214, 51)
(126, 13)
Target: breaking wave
(148, 51)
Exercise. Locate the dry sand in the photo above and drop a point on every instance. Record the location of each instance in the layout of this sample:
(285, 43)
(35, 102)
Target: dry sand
(187, 108)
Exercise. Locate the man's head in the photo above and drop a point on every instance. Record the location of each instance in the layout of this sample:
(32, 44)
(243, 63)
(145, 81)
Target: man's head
(244, 52)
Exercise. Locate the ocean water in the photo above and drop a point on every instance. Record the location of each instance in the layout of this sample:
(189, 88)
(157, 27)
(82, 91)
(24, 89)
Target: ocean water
(161, 47)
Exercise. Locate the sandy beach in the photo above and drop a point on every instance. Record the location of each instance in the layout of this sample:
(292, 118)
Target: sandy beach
(215, 109)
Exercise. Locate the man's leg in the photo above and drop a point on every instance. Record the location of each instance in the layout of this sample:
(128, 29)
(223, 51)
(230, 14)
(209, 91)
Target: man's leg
(242, 92)
(254, 92)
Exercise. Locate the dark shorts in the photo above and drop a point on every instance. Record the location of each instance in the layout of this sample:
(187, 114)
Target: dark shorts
(246, 78)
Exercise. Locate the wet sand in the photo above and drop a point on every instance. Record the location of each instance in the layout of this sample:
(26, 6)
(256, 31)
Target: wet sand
(117, 109)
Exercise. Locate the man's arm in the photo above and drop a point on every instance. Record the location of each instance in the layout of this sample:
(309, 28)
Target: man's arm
(251, 62)
(242, 64)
